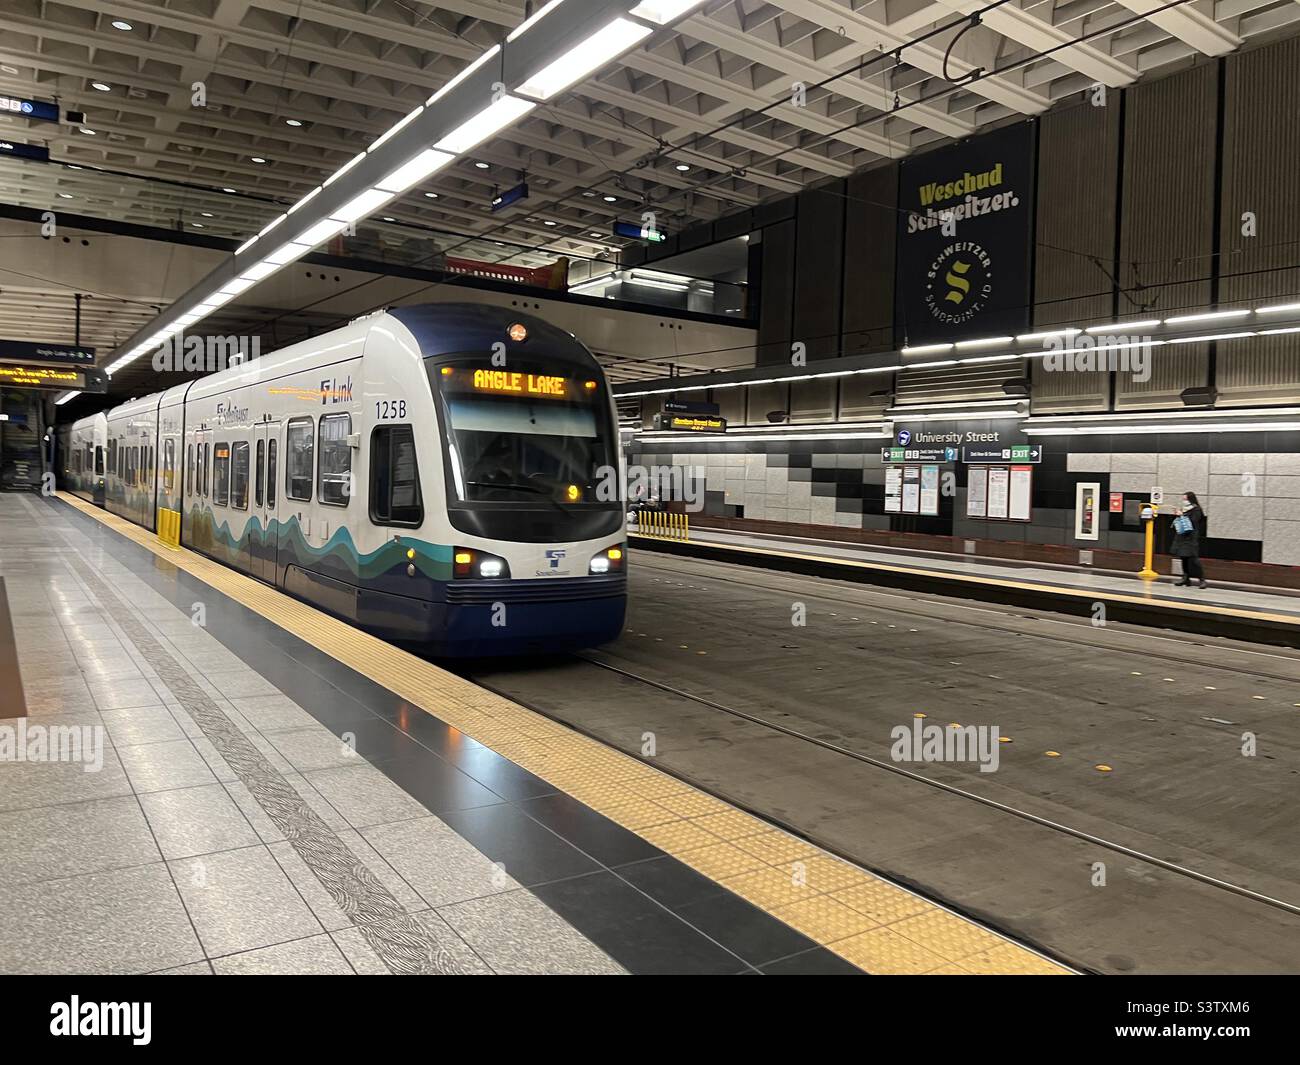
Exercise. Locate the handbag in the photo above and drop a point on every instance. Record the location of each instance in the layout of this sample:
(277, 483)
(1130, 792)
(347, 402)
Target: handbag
(1183, 525)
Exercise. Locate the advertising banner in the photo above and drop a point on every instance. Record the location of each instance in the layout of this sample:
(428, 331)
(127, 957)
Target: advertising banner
(965, 238)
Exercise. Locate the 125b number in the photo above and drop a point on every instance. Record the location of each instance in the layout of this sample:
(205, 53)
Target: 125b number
(390, 408)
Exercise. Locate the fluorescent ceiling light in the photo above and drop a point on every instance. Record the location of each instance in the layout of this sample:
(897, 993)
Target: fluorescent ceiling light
(662, 12)
(361, 205)
(605, 44)
(984, 342)
(234, 288)
(343, 169)
(1025, 338)
(246, 245)
(322, 231)
(287, 253)
(928, 365)
(271, 225)
(1206, 317)
(474, 131)
(1209, 337)
(428, 162)
(531, 21)
(1275, 332)
(463, 75)
(1279, 308)
(1149, 323)
(314, 192)
(65, 397)
(259, 270)
(396, 127)
(923, 349)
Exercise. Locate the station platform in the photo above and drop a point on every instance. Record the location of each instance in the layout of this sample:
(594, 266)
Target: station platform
(1255, 613)
(260, 788)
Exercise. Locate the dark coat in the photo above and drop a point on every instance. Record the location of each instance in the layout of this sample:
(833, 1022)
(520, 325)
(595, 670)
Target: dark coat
(1188, 545)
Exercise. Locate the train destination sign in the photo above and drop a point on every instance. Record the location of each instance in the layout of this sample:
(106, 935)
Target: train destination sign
(40, 377)
(516, 383)
(692, 423)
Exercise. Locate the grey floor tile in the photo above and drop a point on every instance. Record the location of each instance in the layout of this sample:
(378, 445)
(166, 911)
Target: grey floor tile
(315, 747)
(215, 762)
(273, 713)
(264, 827)
(141, 724)
(27, 784)
(118, 694)
(518, 935)
(58, 695)
(235, 684)
(313, 956)
(163, 766)
(202, 820)
(240, 900)
(437, 862)
(73, 839)
(364, 796)
(122, 921)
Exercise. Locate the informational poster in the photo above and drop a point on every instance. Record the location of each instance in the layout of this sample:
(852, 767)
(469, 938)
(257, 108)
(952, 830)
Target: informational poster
(1022, 481)
(977, 492)
(911, 490)
(998, 492)
(929, 489)
(893, 489)
(1117, 502)
(965, 232)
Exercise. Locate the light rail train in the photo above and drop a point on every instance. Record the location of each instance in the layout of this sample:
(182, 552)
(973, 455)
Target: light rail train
(435, 474)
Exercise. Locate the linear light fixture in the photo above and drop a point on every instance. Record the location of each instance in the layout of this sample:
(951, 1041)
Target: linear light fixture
(465, 73)
(424, 165)
(605, 44)
(1208, 316)
(662, 12)
(65, 397)
(1115, 327)
(925, 349)
(361, 205)
(1026, 338)
(984, 342)
(493, 118)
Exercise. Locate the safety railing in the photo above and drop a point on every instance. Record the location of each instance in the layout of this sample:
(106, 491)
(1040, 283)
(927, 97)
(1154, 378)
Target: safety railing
(662, 525)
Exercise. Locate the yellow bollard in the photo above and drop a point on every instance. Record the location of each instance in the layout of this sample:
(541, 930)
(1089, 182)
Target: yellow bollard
(686, 527)
(1148, 572)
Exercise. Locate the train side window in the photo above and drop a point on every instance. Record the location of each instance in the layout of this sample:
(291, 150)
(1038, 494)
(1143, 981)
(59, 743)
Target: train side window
(335, 459)
(260, 475)
(271, 448)
(239, 474)
(78, 459)
(112, 456)
(394, 477)
(207, 467)
(169, 465)
(298, 444)
(189, 469)
(221, 474)
(99, 460)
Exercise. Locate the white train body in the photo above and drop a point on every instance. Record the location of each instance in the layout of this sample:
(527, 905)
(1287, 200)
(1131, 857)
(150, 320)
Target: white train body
(437, 474)
(82, 455)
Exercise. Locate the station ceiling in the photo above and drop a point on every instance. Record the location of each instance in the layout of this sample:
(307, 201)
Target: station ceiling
(693, 124)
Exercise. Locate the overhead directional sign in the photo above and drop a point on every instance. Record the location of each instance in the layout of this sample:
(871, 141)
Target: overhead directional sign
(24, 151)
(918, 454)
(38, 110)
(1013, 453)
(639, 232)
(519, 192)
(26, 351)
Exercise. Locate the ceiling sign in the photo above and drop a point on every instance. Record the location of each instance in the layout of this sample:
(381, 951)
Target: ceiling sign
(24, 151)
(37, 110)
(25, 351)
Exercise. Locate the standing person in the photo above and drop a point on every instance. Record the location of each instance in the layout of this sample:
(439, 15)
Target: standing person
(1188, 529)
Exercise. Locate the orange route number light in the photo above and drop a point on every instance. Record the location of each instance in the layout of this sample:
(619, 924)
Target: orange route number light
(573, 493)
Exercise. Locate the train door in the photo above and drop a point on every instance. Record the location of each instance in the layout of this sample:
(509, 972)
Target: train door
(266, 464)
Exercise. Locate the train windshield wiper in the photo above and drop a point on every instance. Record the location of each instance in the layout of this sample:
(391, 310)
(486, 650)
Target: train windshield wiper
(523, 487)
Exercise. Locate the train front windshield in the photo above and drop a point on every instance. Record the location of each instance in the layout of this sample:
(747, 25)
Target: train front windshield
(520, 436)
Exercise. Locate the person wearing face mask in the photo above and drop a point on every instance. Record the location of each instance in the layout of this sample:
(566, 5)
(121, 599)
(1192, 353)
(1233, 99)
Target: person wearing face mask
(1188, 527)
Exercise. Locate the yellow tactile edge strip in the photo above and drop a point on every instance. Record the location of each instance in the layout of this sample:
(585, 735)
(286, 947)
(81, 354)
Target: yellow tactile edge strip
(864, 919)
(968, 578)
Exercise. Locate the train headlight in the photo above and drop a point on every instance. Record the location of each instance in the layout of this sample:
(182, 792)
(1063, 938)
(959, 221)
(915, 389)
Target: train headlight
(467, 562)
(608, 561)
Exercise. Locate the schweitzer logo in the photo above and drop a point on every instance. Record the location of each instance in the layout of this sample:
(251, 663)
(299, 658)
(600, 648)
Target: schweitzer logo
(904, 437)
(555, 556)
